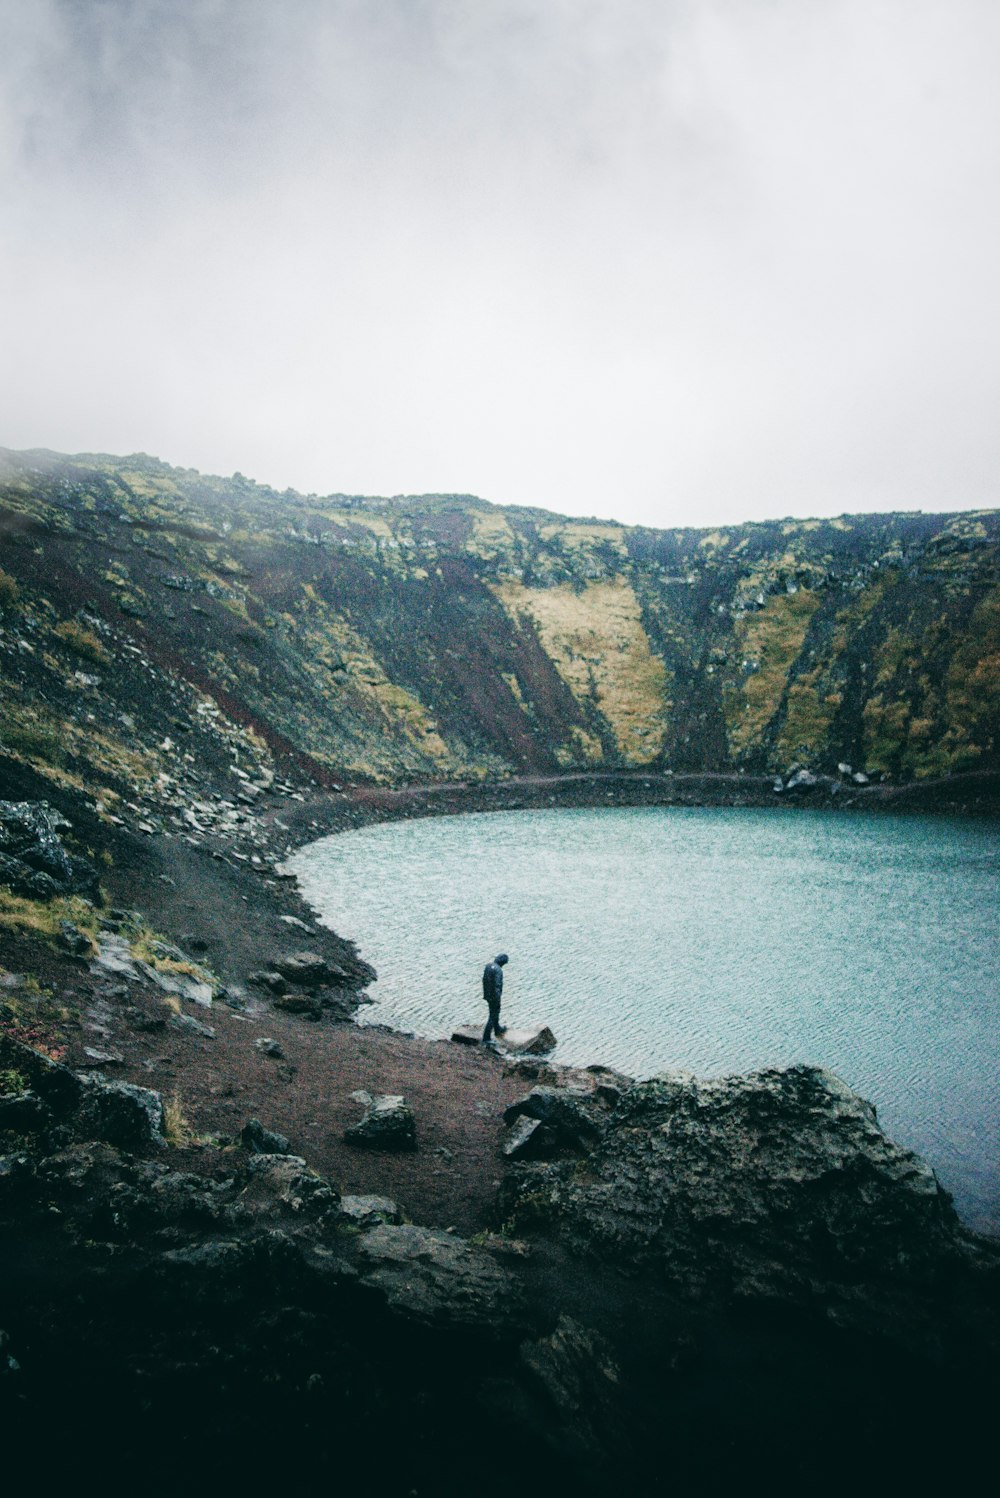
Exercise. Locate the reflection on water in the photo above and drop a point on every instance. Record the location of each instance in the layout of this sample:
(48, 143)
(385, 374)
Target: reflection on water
(712, 939)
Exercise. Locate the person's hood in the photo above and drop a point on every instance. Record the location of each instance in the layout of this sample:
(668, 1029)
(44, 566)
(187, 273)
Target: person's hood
(500, 959)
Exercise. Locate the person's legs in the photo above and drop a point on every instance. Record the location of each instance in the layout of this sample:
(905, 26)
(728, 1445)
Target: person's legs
(493, 1023)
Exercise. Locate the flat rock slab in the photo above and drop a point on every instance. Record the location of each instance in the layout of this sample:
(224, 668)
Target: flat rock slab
(525, 1042)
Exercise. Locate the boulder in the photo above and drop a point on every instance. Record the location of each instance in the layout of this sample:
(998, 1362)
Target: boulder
(287, 1182)
(570, 1117)
(536, 1042)
(260, 1141)
(73, 941)
(269, 1164)
(121, 1114)
(33, 860)
(369, 1211)
(270, 980)
(518, 1143)
(306, 969)
(306, 1004)
(779, 1184)
(143, 1023)
(97, 1057)
(388, 1124)
(182, 985)
(191, 1026)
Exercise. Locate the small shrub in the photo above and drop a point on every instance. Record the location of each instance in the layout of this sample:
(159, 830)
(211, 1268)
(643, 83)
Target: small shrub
(33, 740)
(44, 918)
(9, 591)
(12, 1081)
(82, 642)
(176, 1129)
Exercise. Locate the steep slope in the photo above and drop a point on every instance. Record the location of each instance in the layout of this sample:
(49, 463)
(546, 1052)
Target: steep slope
(417, 639)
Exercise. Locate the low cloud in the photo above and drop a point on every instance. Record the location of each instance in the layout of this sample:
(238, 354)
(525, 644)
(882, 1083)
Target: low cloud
(681, 263)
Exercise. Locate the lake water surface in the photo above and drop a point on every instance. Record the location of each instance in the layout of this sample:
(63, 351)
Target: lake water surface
(716, 940)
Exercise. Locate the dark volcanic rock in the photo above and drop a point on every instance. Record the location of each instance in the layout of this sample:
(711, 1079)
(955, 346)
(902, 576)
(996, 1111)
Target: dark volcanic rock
(266, 979)
(24, 1113)
(369, 1211)
(430, 1275)
(306, 969)
(570, 1117)
(123, 1115)
(388, 1124)
(33, 861)
(521, 1142)
(777, 1184)
(74, 941)
(577, 1372)
(260, 1141)
(306, 1004)
(59, 1087)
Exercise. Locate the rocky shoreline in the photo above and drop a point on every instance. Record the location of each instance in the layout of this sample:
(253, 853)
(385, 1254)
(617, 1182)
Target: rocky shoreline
(591, 1280)
(974, 794)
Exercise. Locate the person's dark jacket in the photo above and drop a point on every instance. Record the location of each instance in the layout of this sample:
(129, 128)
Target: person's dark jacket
(493, 979)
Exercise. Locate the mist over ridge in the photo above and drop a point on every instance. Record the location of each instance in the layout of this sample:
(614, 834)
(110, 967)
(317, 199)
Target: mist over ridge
(685, 263)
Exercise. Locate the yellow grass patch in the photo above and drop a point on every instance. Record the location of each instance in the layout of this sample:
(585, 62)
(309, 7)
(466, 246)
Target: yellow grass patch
(597, 643)
(354, 518)
(491, 533)
(43, 918)
(578, 535)
(772, 636)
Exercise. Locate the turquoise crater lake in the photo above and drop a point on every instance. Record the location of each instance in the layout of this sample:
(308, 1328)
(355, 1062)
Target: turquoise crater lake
(715, 940)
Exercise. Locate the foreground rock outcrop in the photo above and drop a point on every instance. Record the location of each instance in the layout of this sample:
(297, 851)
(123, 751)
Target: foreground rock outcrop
(728, 1267)
(777, 1187)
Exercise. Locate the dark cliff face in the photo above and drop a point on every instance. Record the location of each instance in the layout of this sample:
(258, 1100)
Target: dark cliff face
(441, 637)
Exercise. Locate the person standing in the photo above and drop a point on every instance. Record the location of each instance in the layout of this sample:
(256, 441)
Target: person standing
(492, 992)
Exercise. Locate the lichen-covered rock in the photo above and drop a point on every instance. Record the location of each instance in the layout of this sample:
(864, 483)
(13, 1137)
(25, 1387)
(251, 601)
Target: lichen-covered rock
(780, 1183)
(283, 1184)
(388, 1124)
(182, 985)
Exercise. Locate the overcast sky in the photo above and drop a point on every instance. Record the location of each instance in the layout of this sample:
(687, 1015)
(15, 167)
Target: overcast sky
(673, 261)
